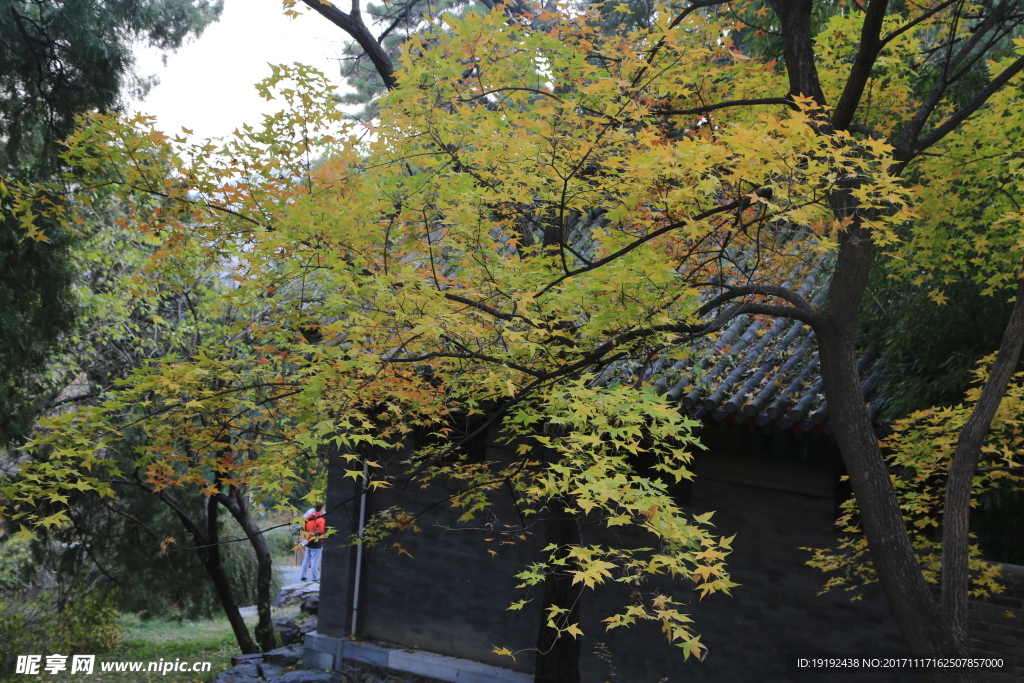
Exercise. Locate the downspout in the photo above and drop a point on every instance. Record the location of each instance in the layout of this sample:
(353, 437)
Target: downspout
(359, 548)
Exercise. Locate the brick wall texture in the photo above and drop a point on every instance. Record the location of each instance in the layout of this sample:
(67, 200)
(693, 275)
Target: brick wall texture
(451, 595)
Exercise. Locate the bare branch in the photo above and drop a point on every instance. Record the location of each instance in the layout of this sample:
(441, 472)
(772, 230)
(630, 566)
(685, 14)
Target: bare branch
(722, 105)
(352, 24)
(860, 73)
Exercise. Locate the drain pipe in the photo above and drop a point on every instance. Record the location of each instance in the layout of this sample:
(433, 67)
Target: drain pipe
(359, 548)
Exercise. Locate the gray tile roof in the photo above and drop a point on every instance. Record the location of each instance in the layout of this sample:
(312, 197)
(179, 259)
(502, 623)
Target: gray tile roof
(757, 369)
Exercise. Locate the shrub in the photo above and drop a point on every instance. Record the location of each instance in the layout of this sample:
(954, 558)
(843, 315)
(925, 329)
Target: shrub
(36, 622)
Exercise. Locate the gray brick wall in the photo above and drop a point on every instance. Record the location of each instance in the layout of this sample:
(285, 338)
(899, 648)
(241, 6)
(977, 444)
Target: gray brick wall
(451, 596)
(338, 559)
(997, 626)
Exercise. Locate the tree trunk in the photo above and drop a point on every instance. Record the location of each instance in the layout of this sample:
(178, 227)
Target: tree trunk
(957, 509)
(207, 543)
(210, 554)
(237, 505)
(798, 47)
(916, 611)
(558, 655)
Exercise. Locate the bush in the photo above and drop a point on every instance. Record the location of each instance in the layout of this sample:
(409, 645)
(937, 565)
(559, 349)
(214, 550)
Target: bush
(37, 618)
(154, 570)
(282, 545)
(240, 566)
(35, 622)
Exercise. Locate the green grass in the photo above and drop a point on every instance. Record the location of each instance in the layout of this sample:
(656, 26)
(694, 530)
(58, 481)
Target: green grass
(152, 640)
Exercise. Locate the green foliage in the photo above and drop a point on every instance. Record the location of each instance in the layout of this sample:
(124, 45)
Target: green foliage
(240, 567)
(15, 564)
(37, 622)
(159, 575)
(282, 546)
(58, 61)
(528, 231)
(132, 546)
(36, 306)
(938, 317)
(133, 313)
(133, 550)
(927, 353)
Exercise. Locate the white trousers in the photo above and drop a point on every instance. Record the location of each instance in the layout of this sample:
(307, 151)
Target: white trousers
(311, 562)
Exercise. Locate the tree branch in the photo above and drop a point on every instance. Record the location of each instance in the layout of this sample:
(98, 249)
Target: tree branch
(908, 146)
(723, 105)
(352, 24)
(687, 11)
(860, 73)
(739, 203)
(956, 515)
(798, 48)
(951, 123)
(402, 16)
(911, 24)
(733, 292)
(493, 312)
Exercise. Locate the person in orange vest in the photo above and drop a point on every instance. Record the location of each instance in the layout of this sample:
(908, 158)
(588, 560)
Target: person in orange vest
(313, 535)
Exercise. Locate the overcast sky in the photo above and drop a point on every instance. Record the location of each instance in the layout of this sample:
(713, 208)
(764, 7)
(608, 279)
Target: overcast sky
(207, 86)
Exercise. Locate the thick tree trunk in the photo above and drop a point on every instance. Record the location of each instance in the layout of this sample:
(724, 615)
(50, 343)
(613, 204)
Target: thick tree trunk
(798, 47)
(558, 655)
(237, 505)
(916, 611)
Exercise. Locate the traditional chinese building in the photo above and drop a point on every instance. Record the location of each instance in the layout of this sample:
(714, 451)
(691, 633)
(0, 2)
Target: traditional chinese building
(771, 473)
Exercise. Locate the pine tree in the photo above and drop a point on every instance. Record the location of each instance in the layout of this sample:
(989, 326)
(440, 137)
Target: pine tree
(58, 61)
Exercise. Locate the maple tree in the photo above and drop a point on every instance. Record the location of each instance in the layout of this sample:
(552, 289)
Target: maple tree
(135, 311)
(929, 77)
(545, 209)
